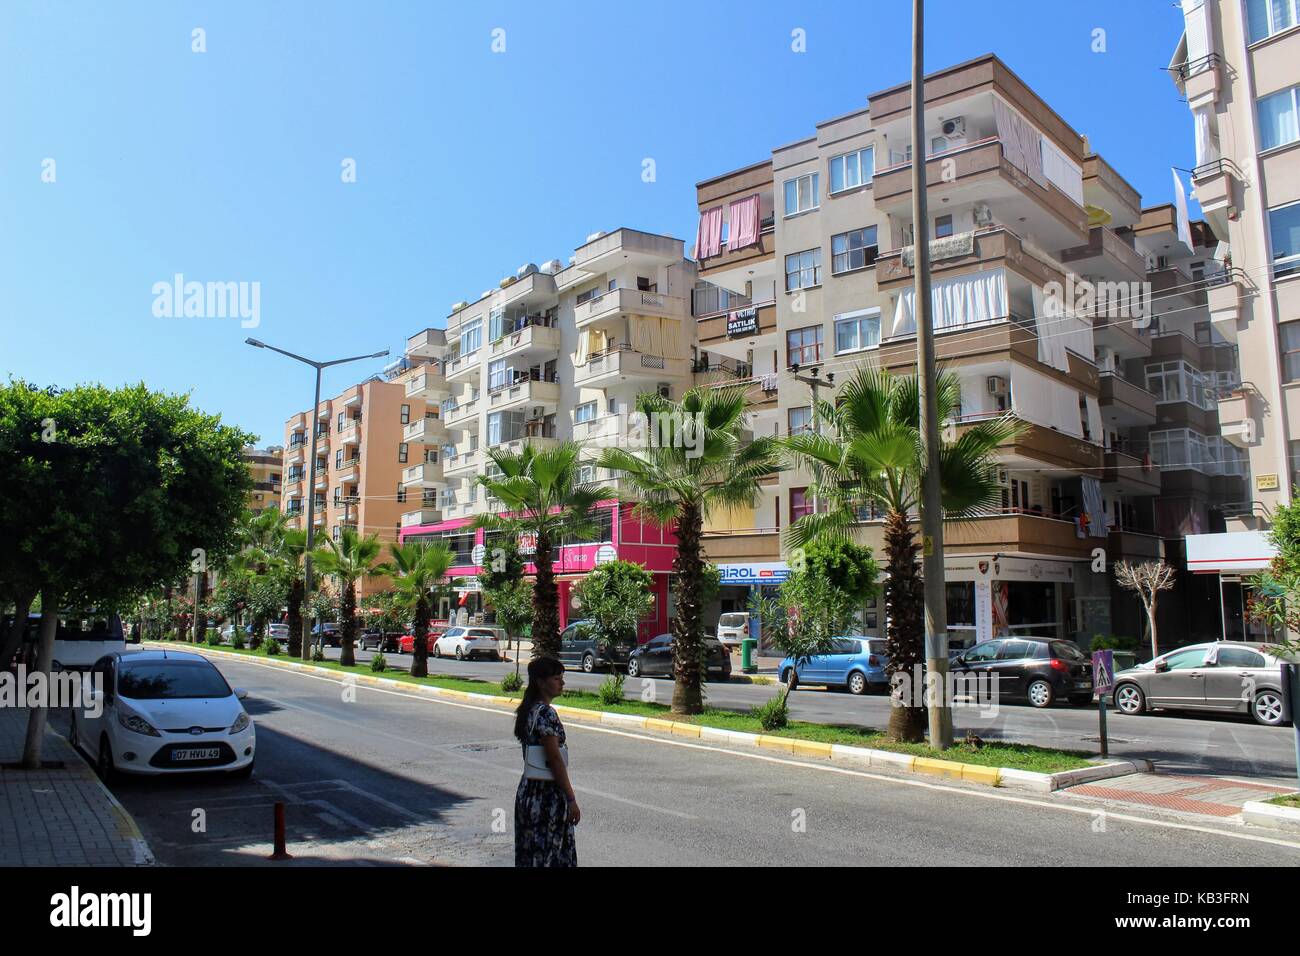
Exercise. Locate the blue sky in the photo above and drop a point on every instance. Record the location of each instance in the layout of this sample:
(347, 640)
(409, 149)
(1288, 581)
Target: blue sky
(226, 165)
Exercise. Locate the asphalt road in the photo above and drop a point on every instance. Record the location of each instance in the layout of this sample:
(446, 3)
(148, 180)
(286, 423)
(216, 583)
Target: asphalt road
(1219, 744)
(387, 778)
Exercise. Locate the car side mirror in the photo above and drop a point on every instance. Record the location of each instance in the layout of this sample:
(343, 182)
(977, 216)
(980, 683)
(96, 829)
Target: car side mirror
(241, 693)
(1161, 666)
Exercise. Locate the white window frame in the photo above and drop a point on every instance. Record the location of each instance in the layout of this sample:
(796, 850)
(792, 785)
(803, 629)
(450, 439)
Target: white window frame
(471, 338)
(1294, 93)
(815, 267)
(578, 416)
(852, 160)
(849, 250)
(497, 377)
(857, 319)
(1273, 30)
(796, 182)
(1292, 262)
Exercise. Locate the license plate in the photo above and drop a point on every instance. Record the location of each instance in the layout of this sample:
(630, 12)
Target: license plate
(1083, 684)
(197, 753)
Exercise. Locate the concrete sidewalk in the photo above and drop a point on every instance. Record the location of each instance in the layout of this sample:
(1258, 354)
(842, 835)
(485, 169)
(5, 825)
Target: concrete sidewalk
(60, 816)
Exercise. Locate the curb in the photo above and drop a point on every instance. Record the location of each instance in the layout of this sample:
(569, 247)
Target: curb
(1271, 815)
(127, 828)
(1005, 777)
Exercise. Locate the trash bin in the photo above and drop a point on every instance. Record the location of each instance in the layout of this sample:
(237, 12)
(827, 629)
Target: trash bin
(748, 649)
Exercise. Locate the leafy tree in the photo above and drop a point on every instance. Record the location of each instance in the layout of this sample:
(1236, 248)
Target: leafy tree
(349, 559)
(543, 496)
(419, 572)
(695, 462)
(512, 603)
(873, 458)
(615, 597)
(1275, 597)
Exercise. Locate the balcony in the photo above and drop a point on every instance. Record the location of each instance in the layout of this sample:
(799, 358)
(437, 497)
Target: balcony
(1130, 475)
(422, 516)
(349, 471)
(525, 392)
(1199, 80)
(1106, 256)
(531, 341)
(627, 247)
(427, 385)
(429, 431)
(1018, 532)
(463, 417)
(323, 440)
(424, 475)
(1130, 545)
(427, 344)
(1223, 297)
(758, 544)
(350, 429)
(989, 249)
(1126, 404)
(619, 303)
(712, 329)
(516, 445)
(617, 365)
(466, 463)
(1238, 413)
(1214, 183)
(465, 369)
(322, 479)
(974, 343)
(1038, 443)
(1176, 290)
(730, 266)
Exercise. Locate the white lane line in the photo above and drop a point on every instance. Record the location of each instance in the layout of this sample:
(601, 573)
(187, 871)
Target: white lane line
(1090, 811)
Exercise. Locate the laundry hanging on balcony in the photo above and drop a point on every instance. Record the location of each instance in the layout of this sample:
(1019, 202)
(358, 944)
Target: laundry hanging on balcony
(1098, 521)
(653, 335)
(1022, 144)
(743, 217)
(708, 239)
(965, 300)
(1060, 331)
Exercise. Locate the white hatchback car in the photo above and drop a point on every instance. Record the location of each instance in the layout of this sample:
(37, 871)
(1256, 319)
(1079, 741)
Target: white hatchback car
(463, 642)
(163, 712)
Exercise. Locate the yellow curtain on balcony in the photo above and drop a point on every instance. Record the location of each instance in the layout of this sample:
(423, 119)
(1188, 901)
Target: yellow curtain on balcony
(653, 335)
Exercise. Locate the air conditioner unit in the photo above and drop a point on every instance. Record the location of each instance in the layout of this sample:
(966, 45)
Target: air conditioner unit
(665, 390)
(996, 385)
(982, 214)
(955, 126)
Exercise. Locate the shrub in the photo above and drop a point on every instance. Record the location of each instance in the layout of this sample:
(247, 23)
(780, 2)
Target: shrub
(238, 642)
(611, 689)
(377, 663)
(1113, 642)
(512, 682)
(318, 656)
(271, 647)
(214, 637)
(773, 715)
(255, 642)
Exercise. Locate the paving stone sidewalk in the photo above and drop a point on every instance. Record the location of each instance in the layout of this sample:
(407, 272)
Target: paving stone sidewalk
(1186, 793)
(60, 817)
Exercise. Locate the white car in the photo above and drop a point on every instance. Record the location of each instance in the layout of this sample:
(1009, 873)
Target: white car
(733, 627)
(81, 639)
(279, 632)
(163, 712)
(463, 642)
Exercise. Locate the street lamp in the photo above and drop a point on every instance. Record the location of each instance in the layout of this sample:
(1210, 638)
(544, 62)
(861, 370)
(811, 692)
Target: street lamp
(311, 481)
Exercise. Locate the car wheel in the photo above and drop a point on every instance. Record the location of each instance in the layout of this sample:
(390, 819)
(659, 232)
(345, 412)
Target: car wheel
(1130, 699)
(857, 683)
(633, 667)
(1041, 694)
(460, 654)
(104, 765)
(1267, 709)
(496, 656)
(588, 663)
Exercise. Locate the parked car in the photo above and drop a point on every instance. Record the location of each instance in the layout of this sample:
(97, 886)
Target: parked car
(228, 632)
(1042, 670)
(579, 648)
(373, 639)
(406, 642)
(470, 642)
(1121, 660)
(856, 663)
(1228, 677)
(164, 712)
(80, 639)
(333, 633)
(278, 631)
(655, 658)
(733, 627)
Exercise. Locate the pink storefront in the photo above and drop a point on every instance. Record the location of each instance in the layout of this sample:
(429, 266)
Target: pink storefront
(620, 536)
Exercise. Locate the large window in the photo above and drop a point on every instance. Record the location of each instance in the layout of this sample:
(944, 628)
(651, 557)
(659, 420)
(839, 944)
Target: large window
(1178, 448)
(1179, 382)
(800, 504)
(803, 270)
(1277, 118)
(504, 427)
(1267, 17)
(853, 250)
(471, 338)
(498, 375)
(584, 413)
(1284, 228)
(803, 346)
(496, 324)
(1289, 335)
(857, 330)
(852, 169)
(799, 420)
(801, 194)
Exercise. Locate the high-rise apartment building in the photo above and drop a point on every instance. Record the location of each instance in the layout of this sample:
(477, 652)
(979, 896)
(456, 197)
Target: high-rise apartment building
(1236, 64)
(266, 466)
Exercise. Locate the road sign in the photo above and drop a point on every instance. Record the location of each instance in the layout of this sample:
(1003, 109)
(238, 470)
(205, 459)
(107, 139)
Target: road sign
(1103, 671)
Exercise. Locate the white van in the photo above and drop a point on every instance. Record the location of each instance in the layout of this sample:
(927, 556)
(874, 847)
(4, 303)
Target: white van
(81, 639)
(733, 627)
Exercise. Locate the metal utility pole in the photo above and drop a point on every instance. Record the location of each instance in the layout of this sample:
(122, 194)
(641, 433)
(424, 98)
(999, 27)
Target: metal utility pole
(311, 480)
(813, 381)
(936, 610)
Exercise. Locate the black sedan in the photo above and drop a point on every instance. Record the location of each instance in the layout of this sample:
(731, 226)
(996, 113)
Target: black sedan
(1041, 670)
(654, 658)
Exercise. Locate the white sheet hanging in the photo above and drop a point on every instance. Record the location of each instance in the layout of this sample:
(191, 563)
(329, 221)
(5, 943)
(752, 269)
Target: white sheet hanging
(1059, 331)
(1094, 420)
(965, 300)
(1062, 171)
(1041, 399)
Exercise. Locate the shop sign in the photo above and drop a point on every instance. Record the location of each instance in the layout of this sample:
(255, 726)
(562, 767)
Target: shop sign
(764, 572)
(744, 322)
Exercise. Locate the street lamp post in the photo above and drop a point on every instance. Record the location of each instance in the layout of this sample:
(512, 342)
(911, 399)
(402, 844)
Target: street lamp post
(311, 481)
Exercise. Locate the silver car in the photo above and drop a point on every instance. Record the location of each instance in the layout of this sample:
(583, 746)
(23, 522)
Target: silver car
(1232, 677)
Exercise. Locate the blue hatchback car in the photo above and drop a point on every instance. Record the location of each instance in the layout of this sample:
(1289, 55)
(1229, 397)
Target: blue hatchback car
(857, 663)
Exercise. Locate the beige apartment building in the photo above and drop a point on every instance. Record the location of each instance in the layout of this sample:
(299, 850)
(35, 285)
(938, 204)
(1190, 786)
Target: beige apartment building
(806, 262)
(266, 467)
(378, 450)
(1238, 65)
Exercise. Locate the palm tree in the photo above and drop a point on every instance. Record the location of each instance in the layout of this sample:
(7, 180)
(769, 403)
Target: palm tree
(542, 496)
(874, 459)
(417, 570)
(349, 559)
(270, 546)
(695, 463)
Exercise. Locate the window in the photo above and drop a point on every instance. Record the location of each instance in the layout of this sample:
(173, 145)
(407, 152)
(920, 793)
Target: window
(1289, 335)
(588, 295)
(504, 427)
(496, 324)
(406, 414)
(800, 504)
(1284, 228)
(799, 420)
(1277, 118)
(1267, 17)
(471, 338)
(852, 169)
(584, 413)
(1186, 660)
(401, 495)
(803, 346)
(857, 330)
(1179, 382)
(801, 194)
(853, 250)
(942, 227)
(1293, 447)
(803, 270)
(431, 455)
(403, 451)
(498, 375)
(1239, 657)
(338, 458)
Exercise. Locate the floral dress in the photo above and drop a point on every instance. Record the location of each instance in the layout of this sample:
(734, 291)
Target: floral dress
(543, 834)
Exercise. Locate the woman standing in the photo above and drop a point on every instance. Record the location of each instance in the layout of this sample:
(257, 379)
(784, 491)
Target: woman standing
(546, 809)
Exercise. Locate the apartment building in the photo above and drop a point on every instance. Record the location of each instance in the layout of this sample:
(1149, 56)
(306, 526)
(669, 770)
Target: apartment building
(1236, 65)
(378, 450)
(806, 267)
(561, 352)
(266, 467)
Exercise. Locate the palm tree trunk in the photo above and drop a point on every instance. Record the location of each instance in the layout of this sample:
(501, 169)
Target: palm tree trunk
(296, 590)
(546, 603)
(905, 611)
(420, 666)
(688, 631)
(349, 616)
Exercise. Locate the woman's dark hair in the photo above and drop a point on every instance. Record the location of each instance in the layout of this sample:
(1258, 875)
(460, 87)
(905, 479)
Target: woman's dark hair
(539, 668)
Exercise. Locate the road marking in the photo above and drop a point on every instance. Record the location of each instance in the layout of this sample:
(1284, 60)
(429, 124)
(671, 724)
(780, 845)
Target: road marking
(1089, 811)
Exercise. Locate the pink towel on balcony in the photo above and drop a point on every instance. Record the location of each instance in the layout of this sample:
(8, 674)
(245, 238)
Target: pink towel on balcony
(744, 223)
(708, 241)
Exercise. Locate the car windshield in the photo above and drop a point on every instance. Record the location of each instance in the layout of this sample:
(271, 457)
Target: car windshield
(170, 680)
(877, 647)
(731, 620)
